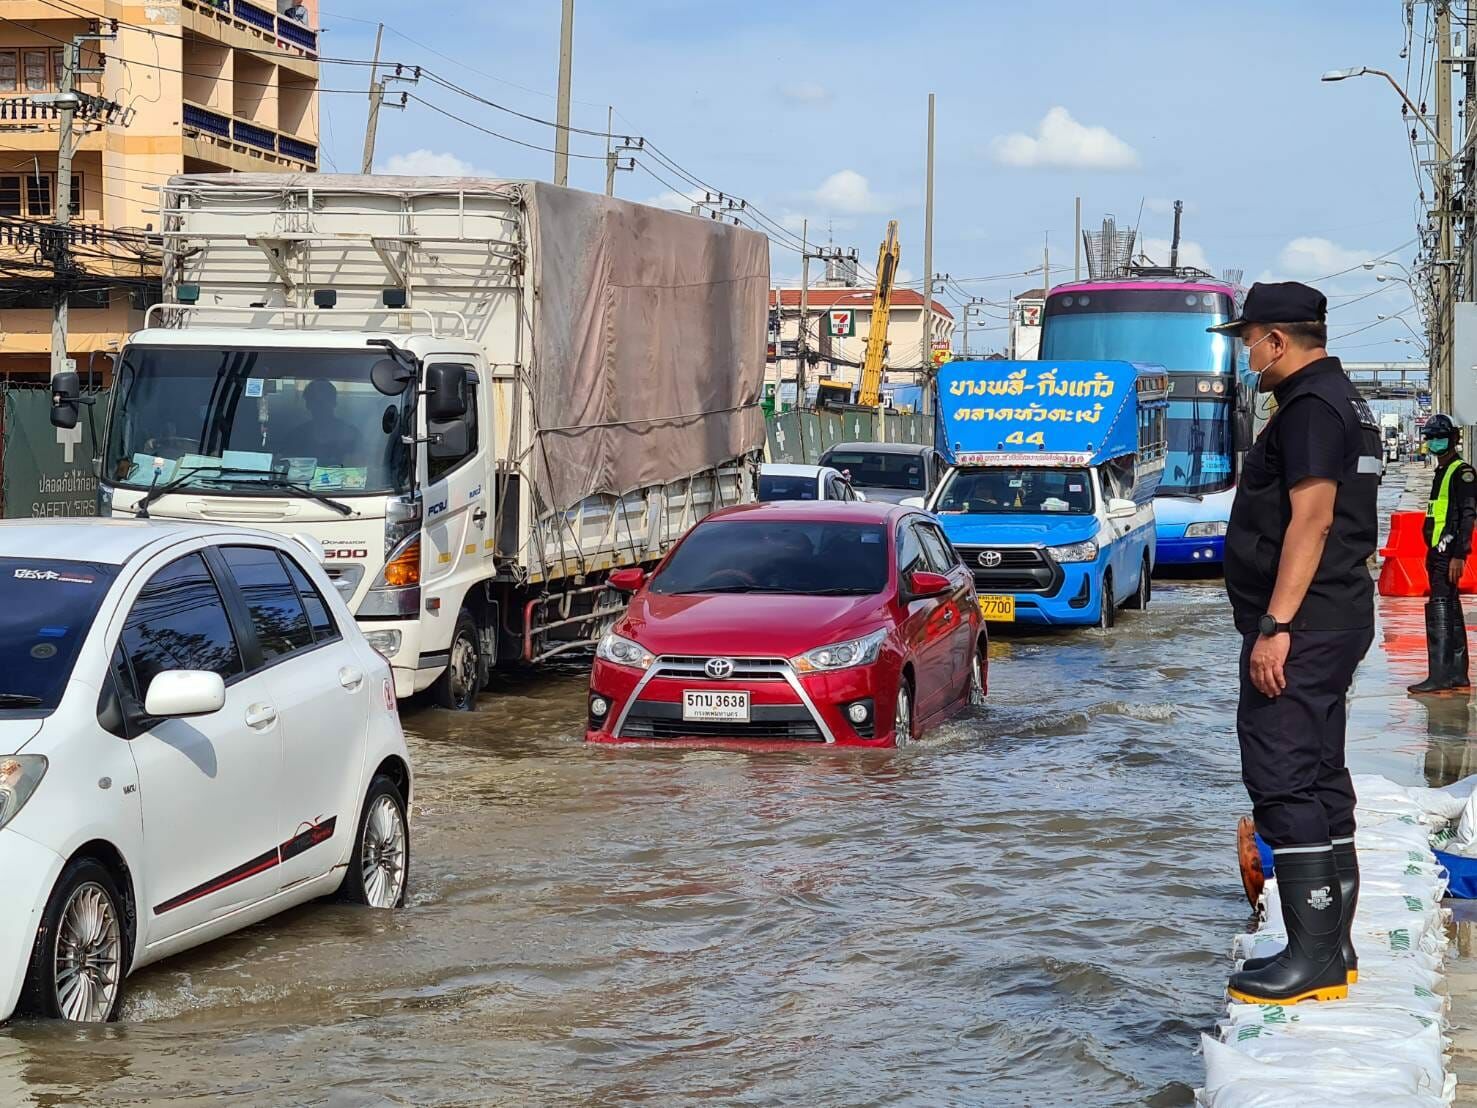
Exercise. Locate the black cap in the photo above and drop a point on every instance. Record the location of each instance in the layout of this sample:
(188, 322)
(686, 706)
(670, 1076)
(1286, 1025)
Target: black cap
(1439, 426)
(1278, 302)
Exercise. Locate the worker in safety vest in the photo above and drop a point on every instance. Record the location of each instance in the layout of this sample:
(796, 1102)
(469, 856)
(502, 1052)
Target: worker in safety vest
(1448, 533)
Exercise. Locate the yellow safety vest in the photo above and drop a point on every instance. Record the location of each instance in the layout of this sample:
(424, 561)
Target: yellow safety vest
(1436, 510)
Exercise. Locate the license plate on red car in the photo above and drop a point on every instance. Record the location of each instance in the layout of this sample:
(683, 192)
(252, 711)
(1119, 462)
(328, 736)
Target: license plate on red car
(701, 706)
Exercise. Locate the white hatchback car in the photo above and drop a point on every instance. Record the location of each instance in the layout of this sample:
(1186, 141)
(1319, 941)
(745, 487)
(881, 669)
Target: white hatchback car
(790, 481)
(194, 735)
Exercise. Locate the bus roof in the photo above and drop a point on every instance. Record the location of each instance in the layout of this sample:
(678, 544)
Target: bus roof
(1143, 283)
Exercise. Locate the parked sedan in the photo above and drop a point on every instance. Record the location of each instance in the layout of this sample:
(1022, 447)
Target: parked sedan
(194, 735)
(788, 481)
(894, 472)
(850, 624)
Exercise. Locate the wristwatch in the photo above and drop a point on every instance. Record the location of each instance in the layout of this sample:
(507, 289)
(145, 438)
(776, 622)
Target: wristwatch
(1268, 625)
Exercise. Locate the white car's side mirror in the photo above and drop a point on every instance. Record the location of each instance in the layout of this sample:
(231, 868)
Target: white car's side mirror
(912, 502)
(177, 693)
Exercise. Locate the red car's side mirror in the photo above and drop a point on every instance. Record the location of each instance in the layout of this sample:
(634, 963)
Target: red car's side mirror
(627, 580)
(924, 584)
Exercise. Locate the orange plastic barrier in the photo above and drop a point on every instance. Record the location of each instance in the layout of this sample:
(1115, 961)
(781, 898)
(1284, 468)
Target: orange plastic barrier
(1404, 569)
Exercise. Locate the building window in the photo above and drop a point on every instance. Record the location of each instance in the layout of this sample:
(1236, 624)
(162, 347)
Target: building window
(56, 70)
(38, 195)
(10, 196)
(36, 63)
(9, 71)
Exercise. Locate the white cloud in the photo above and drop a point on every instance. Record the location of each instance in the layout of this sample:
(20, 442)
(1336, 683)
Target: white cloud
(676, 201)
(1191, 253)
(904, 276)
(807, 93)
(1310, 259)
(848, 191)
(1061, 142)
(428, 163)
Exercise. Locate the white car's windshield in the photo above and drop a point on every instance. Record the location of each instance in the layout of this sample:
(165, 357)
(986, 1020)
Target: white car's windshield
(46, 609)
(256, 419)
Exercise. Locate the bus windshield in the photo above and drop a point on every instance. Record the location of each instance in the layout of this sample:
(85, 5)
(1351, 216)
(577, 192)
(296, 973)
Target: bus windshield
(267, 418)
(1008, 491)
(1177, 341)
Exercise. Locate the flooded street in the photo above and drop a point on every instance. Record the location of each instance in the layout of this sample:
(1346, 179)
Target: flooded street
(1034, 907)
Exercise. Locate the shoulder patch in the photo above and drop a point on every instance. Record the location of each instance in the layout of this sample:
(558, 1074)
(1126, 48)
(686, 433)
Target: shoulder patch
(1467, 475)
(1363, 412)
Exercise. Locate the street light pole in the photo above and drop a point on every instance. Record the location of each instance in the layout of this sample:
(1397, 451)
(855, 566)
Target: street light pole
(925, 343)
(566, 58)
(1365, 71)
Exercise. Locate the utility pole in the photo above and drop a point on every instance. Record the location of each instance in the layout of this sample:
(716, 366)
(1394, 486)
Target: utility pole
(1046, 267)
(61, 261)
(925, 343)
(801, 344)
(1077, 242)
(610, 158)
(561, 134)
(376, 94)
(976, 303)
(1441, 351)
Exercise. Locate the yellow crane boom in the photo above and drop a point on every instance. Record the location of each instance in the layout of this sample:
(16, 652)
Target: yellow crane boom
(870, 392)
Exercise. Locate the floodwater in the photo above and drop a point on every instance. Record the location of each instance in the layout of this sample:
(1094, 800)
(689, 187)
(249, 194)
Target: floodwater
(1034, 907)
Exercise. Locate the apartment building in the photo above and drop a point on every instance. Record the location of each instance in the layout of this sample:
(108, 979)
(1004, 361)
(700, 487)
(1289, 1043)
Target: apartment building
(199, 86)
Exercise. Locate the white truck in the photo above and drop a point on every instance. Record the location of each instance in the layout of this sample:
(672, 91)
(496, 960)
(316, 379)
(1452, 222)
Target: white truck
(1390, 435)
(480, 397)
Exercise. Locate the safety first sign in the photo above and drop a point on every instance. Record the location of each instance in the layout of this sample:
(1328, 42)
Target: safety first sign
(841, 323)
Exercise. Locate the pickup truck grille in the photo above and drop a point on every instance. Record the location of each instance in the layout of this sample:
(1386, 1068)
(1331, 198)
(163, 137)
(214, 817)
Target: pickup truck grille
(1020, 569)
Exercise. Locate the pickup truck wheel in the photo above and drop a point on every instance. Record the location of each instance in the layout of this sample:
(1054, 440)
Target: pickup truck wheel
(1109, 614)
(1145, 590)
(457, 687)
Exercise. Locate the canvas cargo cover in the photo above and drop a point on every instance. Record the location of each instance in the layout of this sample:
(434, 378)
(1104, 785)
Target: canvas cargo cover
(648, 327)
(649, 343)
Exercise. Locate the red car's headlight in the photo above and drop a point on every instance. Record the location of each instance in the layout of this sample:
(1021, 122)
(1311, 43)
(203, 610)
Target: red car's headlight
(623, 652)
(842, 655)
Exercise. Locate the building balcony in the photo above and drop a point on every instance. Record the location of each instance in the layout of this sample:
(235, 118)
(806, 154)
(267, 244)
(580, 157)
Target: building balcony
(262, 22)
(23, 111)
(242, 137)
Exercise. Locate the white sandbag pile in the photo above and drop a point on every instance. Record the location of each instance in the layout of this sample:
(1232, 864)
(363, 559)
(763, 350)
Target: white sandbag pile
(1386, 1044)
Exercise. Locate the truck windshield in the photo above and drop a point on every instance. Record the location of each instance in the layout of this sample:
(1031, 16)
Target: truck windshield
(1013, 491)
(807, 558)
(214, 418)
(46, 609)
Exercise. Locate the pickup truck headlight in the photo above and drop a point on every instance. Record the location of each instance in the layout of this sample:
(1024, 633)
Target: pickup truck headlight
(19, 776)
(1085, 551)
(1206, 530)
(842, 655)
(623, 652)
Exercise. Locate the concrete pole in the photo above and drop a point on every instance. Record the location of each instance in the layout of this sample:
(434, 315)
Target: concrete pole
(62, 208)
(802, 343)
(566, 59)
(376, 94)
(1046, 266)
(1445, 311)
(1077, 242)
(609, 154)
(925, 344)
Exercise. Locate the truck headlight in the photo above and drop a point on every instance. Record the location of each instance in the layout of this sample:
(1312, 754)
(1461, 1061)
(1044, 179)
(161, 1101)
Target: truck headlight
(1085, 551)
(841, 655)
(19, 776)
(623, 652)
(1212, 530)
(386, 641)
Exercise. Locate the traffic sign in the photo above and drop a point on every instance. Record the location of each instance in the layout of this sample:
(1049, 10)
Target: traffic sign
(841, 323)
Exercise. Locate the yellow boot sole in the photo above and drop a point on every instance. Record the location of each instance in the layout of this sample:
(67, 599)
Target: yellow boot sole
(1330, 992)
(1353, 977)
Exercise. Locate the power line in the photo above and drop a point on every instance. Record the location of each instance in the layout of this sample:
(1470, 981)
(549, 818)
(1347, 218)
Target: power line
(487, 131)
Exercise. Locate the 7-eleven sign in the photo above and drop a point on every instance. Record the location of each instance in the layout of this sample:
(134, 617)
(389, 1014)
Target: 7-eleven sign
(841, 323)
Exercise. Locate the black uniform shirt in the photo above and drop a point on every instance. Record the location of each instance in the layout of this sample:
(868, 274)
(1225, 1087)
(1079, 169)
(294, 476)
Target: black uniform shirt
(1461, 508)
(1322, 428)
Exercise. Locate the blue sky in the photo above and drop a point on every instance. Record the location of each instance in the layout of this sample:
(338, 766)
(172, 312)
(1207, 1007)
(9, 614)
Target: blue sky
(818, 111)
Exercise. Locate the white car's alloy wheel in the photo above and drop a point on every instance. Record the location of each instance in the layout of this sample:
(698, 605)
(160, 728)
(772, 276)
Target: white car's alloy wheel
(87, 959)
(382, 854)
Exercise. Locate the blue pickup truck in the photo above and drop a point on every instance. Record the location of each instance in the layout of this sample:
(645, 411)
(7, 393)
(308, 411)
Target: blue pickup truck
(1049, 498)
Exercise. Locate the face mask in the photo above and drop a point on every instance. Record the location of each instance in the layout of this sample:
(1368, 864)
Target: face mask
(1253, 346)
(1437, 446)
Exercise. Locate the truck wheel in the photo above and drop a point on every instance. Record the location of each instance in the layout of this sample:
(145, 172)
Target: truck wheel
(1145, 591)
(1109, 614)
(457, 687)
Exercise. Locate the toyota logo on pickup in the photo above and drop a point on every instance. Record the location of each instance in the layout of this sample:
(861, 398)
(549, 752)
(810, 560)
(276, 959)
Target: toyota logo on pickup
(991, 558)
(719, 668)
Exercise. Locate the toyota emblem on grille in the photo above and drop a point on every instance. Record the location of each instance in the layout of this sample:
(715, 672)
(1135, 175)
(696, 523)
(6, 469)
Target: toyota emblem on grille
(719, 668)
(991, 558)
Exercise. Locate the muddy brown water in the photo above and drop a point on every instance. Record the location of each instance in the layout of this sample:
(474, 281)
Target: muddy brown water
(1033, 907)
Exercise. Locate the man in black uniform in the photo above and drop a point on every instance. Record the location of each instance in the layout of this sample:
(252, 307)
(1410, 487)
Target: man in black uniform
(1303, 526)
(1448, 532)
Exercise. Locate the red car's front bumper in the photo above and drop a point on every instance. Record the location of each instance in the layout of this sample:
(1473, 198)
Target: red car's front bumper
(780, 715)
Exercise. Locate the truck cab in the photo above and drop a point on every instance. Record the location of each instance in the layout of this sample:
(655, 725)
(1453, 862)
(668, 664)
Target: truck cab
(1052, 512)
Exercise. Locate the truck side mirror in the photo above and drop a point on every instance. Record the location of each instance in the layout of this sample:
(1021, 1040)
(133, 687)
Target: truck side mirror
(389, 377)
(66, 400)
(446, 392)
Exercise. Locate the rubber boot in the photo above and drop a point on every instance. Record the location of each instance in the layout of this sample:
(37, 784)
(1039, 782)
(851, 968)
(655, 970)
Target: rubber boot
(1438, 648)
(1457, 665)
(1347, 863)
(1312, 966)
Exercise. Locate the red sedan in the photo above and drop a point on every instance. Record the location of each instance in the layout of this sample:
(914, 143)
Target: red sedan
(792, 622)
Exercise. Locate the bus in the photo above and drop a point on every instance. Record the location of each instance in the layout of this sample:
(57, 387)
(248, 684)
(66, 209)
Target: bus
(1159, 318)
